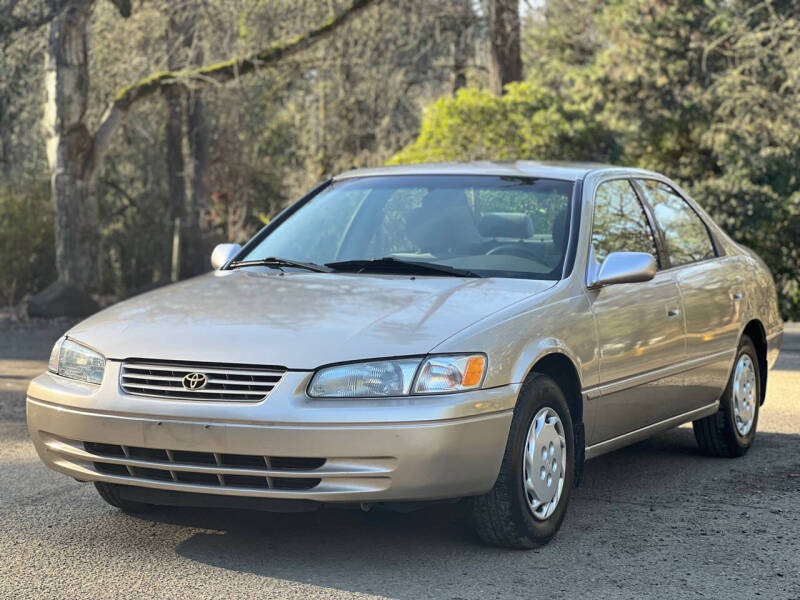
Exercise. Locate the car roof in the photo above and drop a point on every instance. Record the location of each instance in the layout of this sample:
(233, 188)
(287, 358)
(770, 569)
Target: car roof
(570, 171)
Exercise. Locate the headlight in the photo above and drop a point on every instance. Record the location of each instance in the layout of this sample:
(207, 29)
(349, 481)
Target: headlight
(382, 378)
(365, 380)
(72, 360)
(440, 374)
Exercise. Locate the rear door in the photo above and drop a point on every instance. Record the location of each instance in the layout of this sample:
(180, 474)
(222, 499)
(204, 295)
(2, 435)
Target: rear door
(712, 287)
(639, 325)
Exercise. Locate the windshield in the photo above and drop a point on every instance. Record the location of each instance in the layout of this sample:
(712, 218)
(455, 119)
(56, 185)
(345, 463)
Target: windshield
(490, 226)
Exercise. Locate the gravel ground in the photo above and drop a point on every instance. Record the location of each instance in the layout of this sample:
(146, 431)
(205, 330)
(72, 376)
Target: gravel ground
(653, 519)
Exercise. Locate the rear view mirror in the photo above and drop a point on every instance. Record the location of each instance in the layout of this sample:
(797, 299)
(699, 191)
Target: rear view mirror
(624, 267)
(222, 254)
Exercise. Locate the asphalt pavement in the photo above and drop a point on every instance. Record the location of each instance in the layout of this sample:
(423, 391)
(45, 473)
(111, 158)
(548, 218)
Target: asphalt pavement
(656, 519)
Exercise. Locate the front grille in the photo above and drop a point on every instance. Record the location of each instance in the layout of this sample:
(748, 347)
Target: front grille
(223, 383)
(205, 468)
(207, 472)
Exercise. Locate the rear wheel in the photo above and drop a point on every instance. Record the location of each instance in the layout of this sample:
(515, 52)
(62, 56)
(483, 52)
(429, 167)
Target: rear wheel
(731, 431)
(527, 504)
(111, 494)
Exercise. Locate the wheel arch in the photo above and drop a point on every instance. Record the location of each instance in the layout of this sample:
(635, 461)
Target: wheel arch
(756, 332)
(563, 370)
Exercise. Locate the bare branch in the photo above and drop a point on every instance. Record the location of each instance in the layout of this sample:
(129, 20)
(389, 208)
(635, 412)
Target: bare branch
(231, 69)
(218, 73)
(47, 12)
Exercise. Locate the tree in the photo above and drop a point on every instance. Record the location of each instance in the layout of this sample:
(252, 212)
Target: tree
(75, 154)
(248, 147)
(70, 145)
(178, 34)
(504, 42)
(705, 92)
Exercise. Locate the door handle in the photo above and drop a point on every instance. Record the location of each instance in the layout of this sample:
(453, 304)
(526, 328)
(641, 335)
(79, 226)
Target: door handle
(673, 312)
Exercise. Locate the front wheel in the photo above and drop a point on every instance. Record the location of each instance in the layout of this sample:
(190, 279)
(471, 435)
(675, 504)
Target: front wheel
(527, 504)
(731, 431)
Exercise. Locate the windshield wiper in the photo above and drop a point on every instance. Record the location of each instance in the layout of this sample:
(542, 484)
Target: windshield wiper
(274, 261)
(390, 264)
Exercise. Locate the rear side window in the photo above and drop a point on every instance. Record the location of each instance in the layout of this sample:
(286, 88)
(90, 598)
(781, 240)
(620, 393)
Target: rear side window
(620, 223)
(686, 238)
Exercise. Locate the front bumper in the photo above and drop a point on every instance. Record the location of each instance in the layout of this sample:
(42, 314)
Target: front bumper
(419, 448)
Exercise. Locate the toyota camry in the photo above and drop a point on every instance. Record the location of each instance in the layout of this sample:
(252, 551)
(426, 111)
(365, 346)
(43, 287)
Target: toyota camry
(454, 332)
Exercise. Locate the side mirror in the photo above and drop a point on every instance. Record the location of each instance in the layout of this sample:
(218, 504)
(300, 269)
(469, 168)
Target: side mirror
(624, 267)
(222, 254)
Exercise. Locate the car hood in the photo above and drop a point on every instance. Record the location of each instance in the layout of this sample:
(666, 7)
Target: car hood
(296, 320)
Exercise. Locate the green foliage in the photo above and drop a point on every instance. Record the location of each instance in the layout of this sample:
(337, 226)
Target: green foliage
(702, 90)
(529, 121)
(27, 242)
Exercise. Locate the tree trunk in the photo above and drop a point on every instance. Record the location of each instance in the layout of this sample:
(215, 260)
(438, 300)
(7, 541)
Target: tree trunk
(198, 145)
(176, 169)
(69, 144)
(179, 35)
(459, 78)
(197, 133)
(506, 61)
(461, 45)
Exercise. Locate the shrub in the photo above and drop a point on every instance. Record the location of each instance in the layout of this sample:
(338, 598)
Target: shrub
(27, 241)
(529, 121)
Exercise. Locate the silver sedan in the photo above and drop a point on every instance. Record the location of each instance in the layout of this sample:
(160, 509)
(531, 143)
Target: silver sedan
(449, 332)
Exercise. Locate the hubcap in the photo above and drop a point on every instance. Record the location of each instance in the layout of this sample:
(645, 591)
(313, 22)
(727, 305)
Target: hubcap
(545, 463)
(744, 394)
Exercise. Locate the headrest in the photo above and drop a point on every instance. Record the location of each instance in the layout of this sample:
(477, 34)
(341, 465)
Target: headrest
(443, 222)
(505, 225)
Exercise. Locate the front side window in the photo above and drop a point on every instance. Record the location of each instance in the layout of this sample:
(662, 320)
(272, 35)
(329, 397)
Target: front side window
(492, 226)
(620, 223)
(685, 236)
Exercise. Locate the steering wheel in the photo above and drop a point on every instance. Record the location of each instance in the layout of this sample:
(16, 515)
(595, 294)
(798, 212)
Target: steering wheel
(513, 250)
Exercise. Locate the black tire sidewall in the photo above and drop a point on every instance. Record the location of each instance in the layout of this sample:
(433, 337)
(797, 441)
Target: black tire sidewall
(111, 494)
(746, 346)
(539, 391)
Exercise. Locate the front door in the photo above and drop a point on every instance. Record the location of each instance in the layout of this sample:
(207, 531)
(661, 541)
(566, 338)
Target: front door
(640, 326)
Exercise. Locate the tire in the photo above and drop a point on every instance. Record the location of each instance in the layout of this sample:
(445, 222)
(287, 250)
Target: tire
(110, 493)
(718, 434)
(504, 516)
